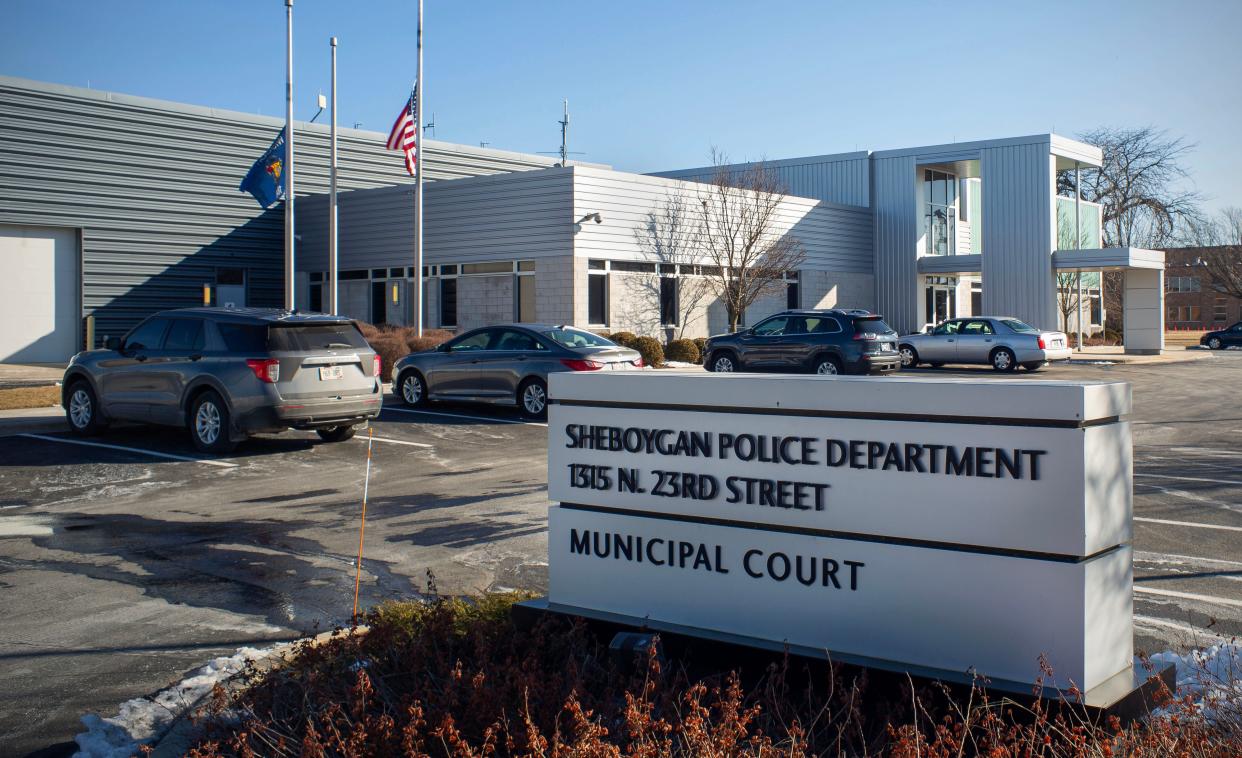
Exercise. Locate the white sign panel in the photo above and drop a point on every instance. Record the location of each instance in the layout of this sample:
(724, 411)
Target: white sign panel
(938, 524)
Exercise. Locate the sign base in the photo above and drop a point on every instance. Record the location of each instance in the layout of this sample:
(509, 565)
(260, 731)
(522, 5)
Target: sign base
(1129, 694)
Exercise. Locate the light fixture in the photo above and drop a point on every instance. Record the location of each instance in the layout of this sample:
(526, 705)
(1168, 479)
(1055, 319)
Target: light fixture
(598, 218)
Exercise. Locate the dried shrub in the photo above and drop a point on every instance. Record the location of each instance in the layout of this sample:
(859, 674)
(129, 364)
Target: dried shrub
(650, 349)
(395, 342)
(684, 351)
(701, 344)
(625, 339)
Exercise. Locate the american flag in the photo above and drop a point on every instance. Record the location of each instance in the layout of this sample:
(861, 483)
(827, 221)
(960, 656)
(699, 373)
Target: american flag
(403, 136)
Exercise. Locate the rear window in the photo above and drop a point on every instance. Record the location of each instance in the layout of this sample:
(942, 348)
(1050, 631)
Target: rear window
(243, 338)
(577, 338)
(872, 325)
(317, 337)
(1019, 326)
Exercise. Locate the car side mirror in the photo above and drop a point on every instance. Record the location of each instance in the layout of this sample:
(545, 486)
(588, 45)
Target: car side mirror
(112, 343)
(444, 348)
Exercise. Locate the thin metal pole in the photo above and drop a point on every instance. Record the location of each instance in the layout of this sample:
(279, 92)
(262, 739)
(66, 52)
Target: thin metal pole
(332, 228)
(419, 91)
(1078, 239)
(362, 524)
(1079, 278)
(290, 302)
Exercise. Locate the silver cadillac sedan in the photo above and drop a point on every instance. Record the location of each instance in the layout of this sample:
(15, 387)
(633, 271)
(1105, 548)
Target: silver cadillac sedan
(506, 365)
(1003, 342)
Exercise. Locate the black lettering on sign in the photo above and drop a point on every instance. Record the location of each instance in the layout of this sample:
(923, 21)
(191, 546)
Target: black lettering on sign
(627, 480)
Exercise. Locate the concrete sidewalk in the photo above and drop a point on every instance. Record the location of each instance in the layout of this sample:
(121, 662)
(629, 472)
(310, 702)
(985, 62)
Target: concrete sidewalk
(30, 374)
(1116, 354)
(33, 420)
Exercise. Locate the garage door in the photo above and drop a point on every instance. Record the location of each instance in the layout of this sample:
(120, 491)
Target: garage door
(38, 294)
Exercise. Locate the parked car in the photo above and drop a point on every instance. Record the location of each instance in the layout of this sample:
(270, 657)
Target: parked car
(506, 364)
(816, 341)
(1222, 338)
(226, 373)
(1003, 342)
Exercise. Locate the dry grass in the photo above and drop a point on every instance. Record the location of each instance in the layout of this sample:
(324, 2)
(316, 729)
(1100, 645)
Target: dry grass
(459, 678)
(13, 398)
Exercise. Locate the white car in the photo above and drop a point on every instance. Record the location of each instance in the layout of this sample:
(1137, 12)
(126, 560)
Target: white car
(1000, 341)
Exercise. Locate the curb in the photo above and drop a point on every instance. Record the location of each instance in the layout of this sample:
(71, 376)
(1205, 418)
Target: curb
(32, 420)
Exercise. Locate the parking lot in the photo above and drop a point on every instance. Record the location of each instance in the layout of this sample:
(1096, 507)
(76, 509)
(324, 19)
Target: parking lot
(129, 560)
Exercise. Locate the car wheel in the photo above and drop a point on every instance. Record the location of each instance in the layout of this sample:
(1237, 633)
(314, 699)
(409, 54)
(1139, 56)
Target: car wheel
(533, 398)
(411, 389)
(909, 356)
(723, 363)
(1214, 343)
(827, 365)
(336, 433)
(82, 410)
(209, 424)
(1003, 359)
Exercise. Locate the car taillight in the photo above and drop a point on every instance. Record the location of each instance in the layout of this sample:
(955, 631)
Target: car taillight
(638, 362)
(1042, 345)
(378, 366)
(266, 369)
(580, 365)
(866, 336)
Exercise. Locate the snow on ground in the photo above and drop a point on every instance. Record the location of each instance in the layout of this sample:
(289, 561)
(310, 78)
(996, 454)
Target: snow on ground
(679, 364)
(144, 720)
(1212, 676)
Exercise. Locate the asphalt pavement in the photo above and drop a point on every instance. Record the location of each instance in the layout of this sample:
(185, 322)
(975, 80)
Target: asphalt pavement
(128, 561)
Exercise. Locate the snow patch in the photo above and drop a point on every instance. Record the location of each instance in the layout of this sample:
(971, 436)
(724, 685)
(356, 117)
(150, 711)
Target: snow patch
(1211, 676)
(679, 364)
(144, 720)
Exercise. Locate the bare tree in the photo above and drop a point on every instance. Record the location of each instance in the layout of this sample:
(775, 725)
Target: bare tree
(1069, 298)
(672, 235)
(747, 250)
(1139, 185)
(1221, 240)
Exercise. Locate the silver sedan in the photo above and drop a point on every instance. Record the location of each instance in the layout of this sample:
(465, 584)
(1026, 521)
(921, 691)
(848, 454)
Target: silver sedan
(506, 365)
(1003, 342)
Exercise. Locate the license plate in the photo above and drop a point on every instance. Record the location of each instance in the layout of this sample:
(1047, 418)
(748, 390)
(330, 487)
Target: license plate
(619, 365)
(1058, 343)
(328, 373)
(886, 346)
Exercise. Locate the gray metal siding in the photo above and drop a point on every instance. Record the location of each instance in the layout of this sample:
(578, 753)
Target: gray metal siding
(153, 187)
(836, 237)
(895, 213)
(841, 179)
(495, 218)
(1018, 182)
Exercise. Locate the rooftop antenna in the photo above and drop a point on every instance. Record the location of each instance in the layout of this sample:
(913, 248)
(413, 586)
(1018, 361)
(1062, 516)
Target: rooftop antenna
(564, 152)
(483, 144)
(431, 125)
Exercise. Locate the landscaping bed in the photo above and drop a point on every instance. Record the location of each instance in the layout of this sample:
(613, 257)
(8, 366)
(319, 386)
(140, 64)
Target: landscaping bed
(12, 398)
(460, 677)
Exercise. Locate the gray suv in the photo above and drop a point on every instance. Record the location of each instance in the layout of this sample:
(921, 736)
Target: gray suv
(225, 373)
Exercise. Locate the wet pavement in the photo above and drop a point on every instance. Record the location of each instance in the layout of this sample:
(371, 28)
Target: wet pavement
(125, 565)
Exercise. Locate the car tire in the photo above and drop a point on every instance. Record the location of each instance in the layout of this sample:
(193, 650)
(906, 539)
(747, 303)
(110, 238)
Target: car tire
(909, 356)
(412, 388)
(826, 365)
(1033, 366)
(1215, 343)
(724, 362)
(336, 433)
(532, 398)
(82, 410)
(1003, 359)
(209, 424)
(936, 364)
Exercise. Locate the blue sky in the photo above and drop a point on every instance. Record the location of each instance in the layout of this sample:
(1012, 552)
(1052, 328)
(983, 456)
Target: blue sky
(652, 85)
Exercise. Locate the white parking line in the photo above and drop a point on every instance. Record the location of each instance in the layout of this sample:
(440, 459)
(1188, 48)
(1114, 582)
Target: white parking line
(1189, 596)
(1234, 482)
(462, 415)
(395, 442)
(1188, 523)
(141, 451)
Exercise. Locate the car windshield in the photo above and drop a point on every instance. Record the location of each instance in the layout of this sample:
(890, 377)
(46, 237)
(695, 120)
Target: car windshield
(1019, 326)
(577, 338)
(871, 326)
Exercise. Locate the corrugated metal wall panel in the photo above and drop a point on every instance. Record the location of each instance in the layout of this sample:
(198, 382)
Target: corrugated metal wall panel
(153, 187)
(836, 237)
(841, 179)
(895, 213)
(1018, 182)
(516, 216)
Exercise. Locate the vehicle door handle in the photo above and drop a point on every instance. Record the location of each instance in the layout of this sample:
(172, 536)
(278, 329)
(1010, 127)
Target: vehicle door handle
(196, 357)
(140, 358)
(989, 339)
(948, 340)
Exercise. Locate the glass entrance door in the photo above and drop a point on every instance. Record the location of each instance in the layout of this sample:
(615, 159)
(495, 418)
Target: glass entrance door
(940, 299)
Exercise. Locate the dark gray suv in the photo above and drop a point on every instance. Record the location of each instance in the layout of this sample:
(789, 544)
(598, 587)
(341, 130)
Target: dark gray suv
(818, 341)
(225, 373)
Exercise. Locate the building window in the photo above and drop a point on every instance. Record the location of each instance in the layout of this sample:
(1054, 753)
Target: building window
(448, 302)
(1220, 310)
(792, 299)
(316, 298)
(1183, 313)
(668, 300)
(939, 214)
(1097, 310)
(597, 298)
(524, 290)
(1182, 284)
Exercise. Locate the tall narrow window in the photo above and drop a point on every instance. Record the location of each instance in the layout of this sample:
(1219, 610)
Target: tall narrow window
(668, 300)
(525, 291)
(792, 300)
(379, 308)
(448, 302)
(597, 298)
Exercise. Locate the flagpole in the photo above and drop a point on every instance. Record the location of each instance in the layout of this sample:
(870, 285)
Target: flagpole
(418, 183)
(288, 168)
(332, 230)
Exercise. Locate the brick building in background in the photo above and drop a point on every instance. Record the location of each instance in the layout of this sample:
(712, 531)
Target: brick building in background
(1190, 300)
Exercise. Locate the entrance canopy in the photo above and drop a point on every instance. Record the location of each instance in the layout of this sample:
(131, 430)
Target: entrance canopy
(1142, 309)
